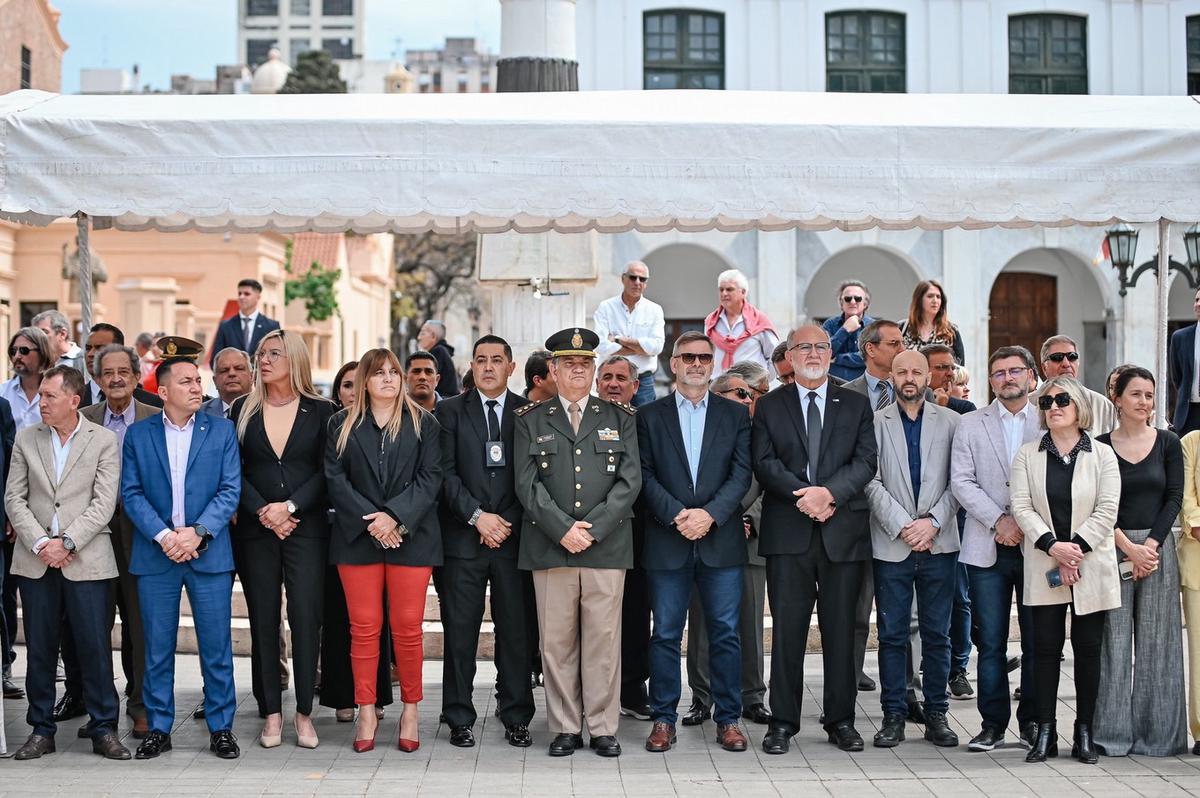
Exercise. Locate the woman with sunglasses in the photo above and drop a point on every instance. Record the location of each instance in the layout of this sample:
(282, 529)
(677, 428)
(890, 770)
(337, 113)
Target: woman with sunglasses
(1141, 705)
(853, 299)
(1065, 491)
(282, 540)
(927, 321)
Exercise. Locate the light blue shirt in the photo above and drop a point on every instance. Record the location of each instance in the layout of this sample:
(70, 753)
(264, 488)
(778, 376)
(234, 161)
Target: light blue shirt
(119, 423)
(691, 426)
(873, 384)
(62, 451)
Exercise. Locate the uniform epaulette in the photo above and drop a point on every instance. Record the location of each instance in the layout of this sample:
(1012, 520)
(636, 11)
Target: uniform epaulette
(520, 411)
(628, 408)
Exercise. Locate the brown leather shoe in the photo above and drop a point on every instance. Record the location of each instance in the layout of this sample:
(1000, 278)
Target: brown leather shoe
(109, 746)
(731, 738)
(661, 738)
(140, 728)
(35, 746)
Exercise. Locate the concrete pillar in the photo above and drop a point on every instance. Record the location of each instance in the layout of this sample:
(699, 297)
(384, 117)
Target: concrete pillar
(149, 304)
(537, 46)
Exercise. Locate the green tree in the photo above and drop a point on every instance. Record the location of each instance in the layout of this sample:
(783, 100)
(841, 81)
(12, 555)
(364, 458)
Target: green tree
(315, 73)
(315, 285)
(432, 270)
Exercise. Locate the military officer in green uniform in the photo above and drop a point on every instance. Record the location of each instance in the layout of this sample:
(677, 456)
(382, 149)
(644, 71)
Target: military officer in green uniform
(577, 475)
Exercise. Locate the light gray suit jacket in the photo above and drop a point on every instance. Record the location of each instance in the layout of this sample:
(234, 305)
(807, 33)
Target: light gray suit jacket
(84, 499)
(890, 493)
(979, 476)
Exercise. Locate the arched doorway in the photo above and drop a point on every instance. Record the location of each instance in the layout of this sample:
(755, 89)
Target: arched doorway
(683, 279)
(1044, 292)
(889, 277)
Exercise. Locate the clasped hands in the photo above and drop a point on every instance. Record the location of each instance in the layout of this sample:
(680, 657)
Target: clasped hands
(493, 530)
(577, 539)
(1008, 532)
(1144, 557)
(919, 534)
(181, 544)
(693, 524)
(1068, 556)
(275, 517)
(816, 502)
(384, 528)
(54, 554)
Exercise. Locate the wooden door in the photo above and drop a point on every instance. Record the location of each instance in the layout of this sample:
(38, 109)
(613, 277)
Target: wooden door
(1024, 311)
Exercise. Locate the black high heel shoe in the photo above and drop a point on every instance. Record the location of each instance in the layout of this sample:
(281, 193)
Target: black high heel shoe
(1045, 744)
(1084, 749)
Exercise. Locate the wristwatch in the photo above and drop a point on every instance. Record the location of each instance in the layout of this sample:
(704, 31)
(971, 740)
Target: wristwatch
(67, 543)
(291, 506)
(204, 535)
(475, 516)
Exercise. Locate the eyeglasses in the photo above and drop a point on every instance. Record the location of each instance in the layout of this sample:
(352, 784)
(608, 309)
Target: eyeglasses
(805, 348)
(1058, 357)
(850, 299)
(740, 393)
(637, 278)
(1060, 399)
(271, 355)
(22, 350)
(1012, 373)
(703, 358)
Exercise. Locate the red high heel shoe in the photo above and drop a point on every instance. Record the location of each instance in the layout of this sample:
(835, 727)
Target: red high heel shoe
(408, 746)
(362, 746)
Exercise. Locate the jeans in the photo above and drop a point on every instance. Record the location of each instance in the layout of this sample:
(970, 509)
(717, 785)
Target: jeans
(932, 577)
(720, 591)
(960, 622)
(992, 590)
(645, 391)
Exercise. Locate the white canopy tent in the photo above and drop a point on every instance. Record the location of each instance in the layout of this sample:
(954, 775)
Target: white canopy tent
(607, 161)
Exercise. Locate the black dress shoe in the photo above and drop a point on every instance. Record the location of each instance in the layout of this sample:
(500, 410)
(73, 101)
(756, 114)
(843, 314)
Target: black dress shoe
(891, 734)
(938, 731)
(697, 713)
(200, 714)
(11, 690)
(83, 732)
(69, 706)
(462, 737)
(916, 713)
(1029, 732)
(223, 743)
(846, 737)
(776, 741)
(35, 746)
(108, 745)
(565, 744)
(1045, 745)
(757, 713)
(155, 743)
(518, 735)
(640, 711)
(866, 684)
(1196, 748)
(1084, 748)
(605, 745)
(988, 739)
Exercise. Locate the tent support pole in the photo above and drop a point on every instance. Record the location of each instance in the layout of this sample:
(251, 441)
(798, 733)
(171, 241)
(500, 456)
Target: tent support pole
(1160, 324)
(82, 229)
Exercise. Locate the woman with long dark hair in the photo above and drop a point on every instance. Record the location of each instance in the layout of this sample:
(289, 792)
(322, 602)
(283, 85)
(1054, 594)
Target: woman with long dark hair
(928, 322)
(383, 465)
(283, 535)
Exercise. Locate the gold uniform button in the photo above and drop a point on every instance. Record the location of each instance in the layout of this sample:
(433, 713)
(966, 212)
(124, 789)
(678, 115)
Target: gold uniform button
(545, 464)
(610, 451)
(578, 504)
(612, 459)
(578, 486)
(578, 469)
(578, 451)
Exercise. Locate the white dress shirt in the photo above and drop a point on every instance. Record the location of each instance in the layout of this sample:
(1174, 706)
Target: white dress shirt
(62, 450)
(179, 446)
(757, 348)
(499, 400)
(645, 323)
(1013, 425)
(26, 412)
(820, 390)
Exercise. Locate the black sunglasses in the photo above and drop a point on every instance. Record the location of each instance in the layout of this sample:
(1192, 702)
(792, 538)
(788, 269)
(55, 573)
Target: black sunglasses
(691, 357)
(854, 299)
(637, 278)
(23, 350)
(1060, 399)
(741, 393)
(1058, 357)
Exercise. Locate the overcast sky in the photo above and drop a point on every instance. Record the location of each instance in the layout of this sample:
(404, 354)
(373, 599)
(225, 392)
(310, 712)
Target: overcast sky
(165, 37)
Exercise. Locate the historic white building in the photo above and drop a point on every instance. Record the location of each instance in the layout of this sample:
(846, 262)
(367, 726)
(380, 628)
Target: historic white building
(1044, 280)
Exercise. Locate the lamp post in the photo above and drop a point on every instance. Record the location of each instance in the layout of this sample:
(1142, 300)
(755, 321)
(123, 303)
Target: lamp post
(1122, 248)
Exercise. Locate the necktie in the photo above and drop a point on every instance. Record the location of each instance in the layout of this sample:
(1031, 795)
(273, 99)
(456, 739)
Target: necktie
(814, 436)
(885, 397)
(226, 412)
(575, 414)
(493, 420)
(246, 331)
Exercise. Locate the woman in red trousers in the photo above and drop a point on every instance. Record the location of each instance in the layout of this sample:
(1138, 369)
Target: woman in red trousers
(382, 464)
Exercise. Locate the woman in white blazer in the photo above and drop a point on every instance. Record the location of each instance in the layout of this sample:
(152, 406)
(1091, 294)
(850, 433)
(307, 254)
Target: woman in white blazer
(1065, 492)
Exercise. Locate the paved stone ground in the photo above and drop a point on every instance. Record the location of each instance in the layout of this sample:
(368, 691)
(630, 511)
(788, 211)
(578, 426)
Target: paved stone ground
(697, 766)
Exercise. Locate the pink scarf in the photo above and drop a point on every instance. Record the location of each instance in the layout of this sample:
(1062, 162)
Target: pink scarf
(753, 323)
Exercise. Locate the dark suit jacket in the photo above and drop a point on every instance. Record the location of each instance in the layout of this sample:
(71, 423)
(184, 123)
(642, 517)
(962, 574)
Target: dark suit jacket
(229, 333)
(406, 485)
(848, 453)
(139, 395)
(1183, 372)
(723, 477)
(8, 436)
(295, 476)
(467, 484)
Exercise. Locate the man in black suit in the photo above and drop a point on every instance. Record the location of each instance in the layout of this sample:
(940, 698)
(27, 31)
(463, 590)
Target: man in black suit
(481, 524)
(100, 336)
(814, 451)
(695, 450)
(246, 329)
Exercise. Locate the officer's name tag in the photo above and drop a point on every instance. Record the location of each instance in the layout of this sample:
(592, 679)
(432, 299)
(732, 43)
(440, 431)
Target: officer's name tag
(494, 453)
(607, 434)
(544, 438)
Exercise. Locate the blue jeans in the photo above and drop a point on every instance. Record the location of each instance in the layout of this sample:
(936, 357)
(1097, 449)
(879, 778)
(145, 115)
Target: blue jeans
(960, 622)
(931, 576)
(645, 391)
(992, 590)
(720, 591)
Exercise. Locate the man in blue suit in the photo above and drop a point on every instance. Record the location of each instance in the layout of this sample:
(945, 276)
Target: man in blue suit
(248, 327)
(1185, 378)
(695, 451)
(180, 482)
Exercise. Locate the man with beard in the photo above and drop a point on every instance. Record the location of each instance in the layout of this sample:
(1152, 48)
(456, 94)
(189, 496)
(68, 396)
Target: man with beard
(815, 533)
(421, 379)
(914, 542)
(233, 377)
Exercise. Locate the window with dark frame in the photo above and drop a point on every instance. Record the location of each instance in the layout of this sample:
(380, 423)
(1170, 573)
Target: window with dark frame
(262, 8)
(301, 8)
(338, 48)
(864, 51)
(1047, 54)
(26, 68)
(337, 8)
(1193, 55)
(683, 49)
(257, 49)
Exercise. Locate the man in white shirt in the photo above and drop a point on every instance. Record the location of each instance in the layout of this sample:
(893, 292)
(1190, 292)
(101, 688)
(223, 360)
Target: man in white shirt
(31, 353)
(58, 329)
(633, 326)
(738, 330)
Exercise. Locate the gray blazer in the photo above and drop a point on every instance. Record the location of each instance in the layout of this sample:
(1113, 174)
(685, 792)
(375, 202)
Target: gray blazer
(890, 493)
(979, 475)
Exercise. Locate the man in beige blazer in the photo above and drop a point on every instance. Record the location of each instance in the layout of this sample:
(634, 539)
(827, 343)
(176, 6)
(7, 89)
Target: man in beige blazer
(116, 371)
(62, 489)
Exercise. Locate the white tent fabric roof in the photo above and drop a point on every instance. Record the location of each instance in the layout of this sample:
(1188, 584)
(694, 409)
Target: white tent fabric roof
(610, 161)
